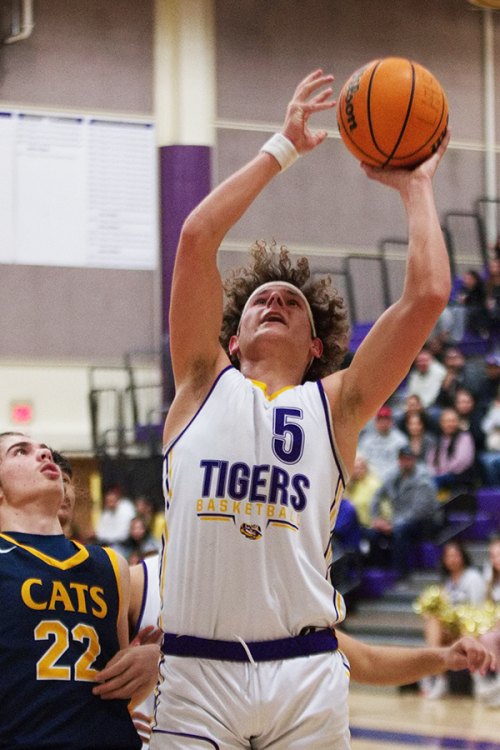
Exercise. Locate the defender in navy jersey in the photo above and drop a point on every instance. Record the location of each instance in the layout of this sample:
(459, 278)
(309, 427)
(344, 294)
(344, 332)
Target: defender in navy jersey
(256, 461)
(64, 615)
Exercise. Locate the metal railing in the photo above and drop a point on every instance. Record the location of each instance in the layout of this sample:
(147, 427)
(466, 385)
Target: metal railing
(127, 419)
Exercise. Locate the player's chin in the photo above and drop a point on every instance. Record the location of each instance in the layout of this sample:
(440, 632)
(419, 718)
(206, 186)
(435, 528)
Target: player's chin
(274, 328)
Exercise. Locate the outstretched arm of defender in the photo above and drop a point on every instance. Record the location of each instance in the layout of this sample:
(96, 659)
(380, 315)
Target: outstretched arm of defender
(394, 665)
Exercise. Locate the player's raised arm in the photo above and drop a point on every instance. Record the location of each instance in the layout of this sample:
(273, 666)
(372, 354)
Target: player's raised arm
(387, 352)
(196, 301)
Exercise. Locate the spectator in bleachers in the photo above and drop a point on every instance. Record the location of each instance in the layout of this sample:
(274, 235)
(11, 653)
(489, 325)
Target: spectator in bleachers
(492, 570)
(346, 547)
(381, 445)
(490, 458)
(420, 439)
(347, 527)
(413, 405)
(113, 526)
(491, 425)
(491, 383)
(139, 543)
(472, 296)
(361, 488)
(461, 583)
(444, 332)
(145, 508)
(425, 378)
(460, 373)
(154, 518)
(492, 287)
(469, 416)
(451, 461)
(411, 495)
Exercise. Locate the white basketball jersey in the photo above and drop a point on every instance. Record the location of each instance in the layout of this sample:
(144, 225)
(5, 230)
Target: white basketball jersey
(252, 489)
(150, 606)
(150, 610)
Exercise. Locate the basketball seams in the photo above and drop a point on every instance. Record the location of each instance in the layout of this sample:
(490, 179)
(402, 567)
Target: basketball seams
(439, 126)
(369, 158)
(342, 124)
(363, 121)
(369, 112)
(407, 116)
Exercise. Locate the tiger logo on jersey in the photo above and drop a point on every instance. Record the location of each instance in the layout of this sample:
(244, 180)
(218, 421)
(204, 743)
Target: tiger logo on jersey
(251, 530)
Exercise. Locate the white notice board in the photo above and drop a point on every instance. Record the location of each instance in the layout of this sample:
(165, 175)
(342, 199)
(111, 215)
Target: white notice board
(7, 241)
(78, 191)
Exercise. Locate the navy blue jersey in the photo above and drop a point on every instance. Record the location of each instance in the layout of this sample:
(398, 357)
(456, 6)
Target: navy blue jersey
(59, 604)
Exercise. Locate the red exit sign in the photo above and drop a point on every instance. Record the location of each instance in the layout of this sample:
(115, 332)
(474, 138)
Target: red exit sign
(21, 412)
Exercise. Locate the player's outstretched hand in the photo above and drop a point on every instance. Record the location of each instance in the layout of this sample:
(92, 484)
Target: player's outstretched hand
(306, 100)
(469, 653)
(400, 178)
(129, 674)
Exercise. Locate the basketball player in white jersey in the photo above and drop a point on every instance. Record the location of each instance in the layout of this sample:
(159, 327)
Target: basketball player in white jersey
(260, 440)
(134, 671)
(370, 665)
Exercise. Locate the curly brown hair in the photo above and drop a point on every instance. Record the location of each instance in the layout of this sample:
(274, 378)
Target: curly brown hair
(273, 263)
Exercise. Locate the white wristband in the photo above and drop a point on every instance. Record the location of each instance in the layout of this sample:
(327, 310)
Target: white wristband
(282, 149)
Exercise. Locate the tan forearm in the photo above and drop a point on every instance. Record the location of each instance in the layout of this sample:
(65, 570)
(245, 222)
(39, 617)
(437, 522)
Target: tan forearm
(393, 665)
(428, 268)
(401, 666)
(390, 665)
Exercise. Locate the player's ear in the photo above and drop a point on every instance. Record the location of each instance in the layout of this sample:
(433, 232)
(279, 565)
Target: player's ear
(234, 347)
(316, 348)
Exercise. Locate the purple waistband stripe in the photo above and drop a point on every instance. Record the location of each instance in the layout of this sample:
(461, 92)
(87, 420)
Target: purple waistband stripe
(315, 642)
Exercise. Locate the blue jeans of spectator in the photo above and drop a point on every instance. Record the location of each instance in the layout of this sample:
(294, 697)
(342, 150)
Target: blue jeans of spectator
(399, 542)
(490, 464)
(403, 534)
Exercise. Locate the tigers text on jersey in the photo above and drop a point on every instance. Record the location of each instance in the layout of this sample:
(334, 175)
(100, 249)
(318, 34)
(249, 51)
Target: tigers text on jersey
(252, 489)
(59, 603)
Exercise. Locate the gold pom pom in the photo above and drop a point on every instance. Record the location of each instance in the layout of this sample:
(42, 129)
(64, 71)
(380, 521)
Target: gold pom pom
(464, 619)
(477, 620)
(431, 601)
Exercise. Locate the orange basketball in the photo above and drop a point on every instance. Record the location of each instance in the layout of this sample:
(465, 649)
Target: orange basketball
(392, 113)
